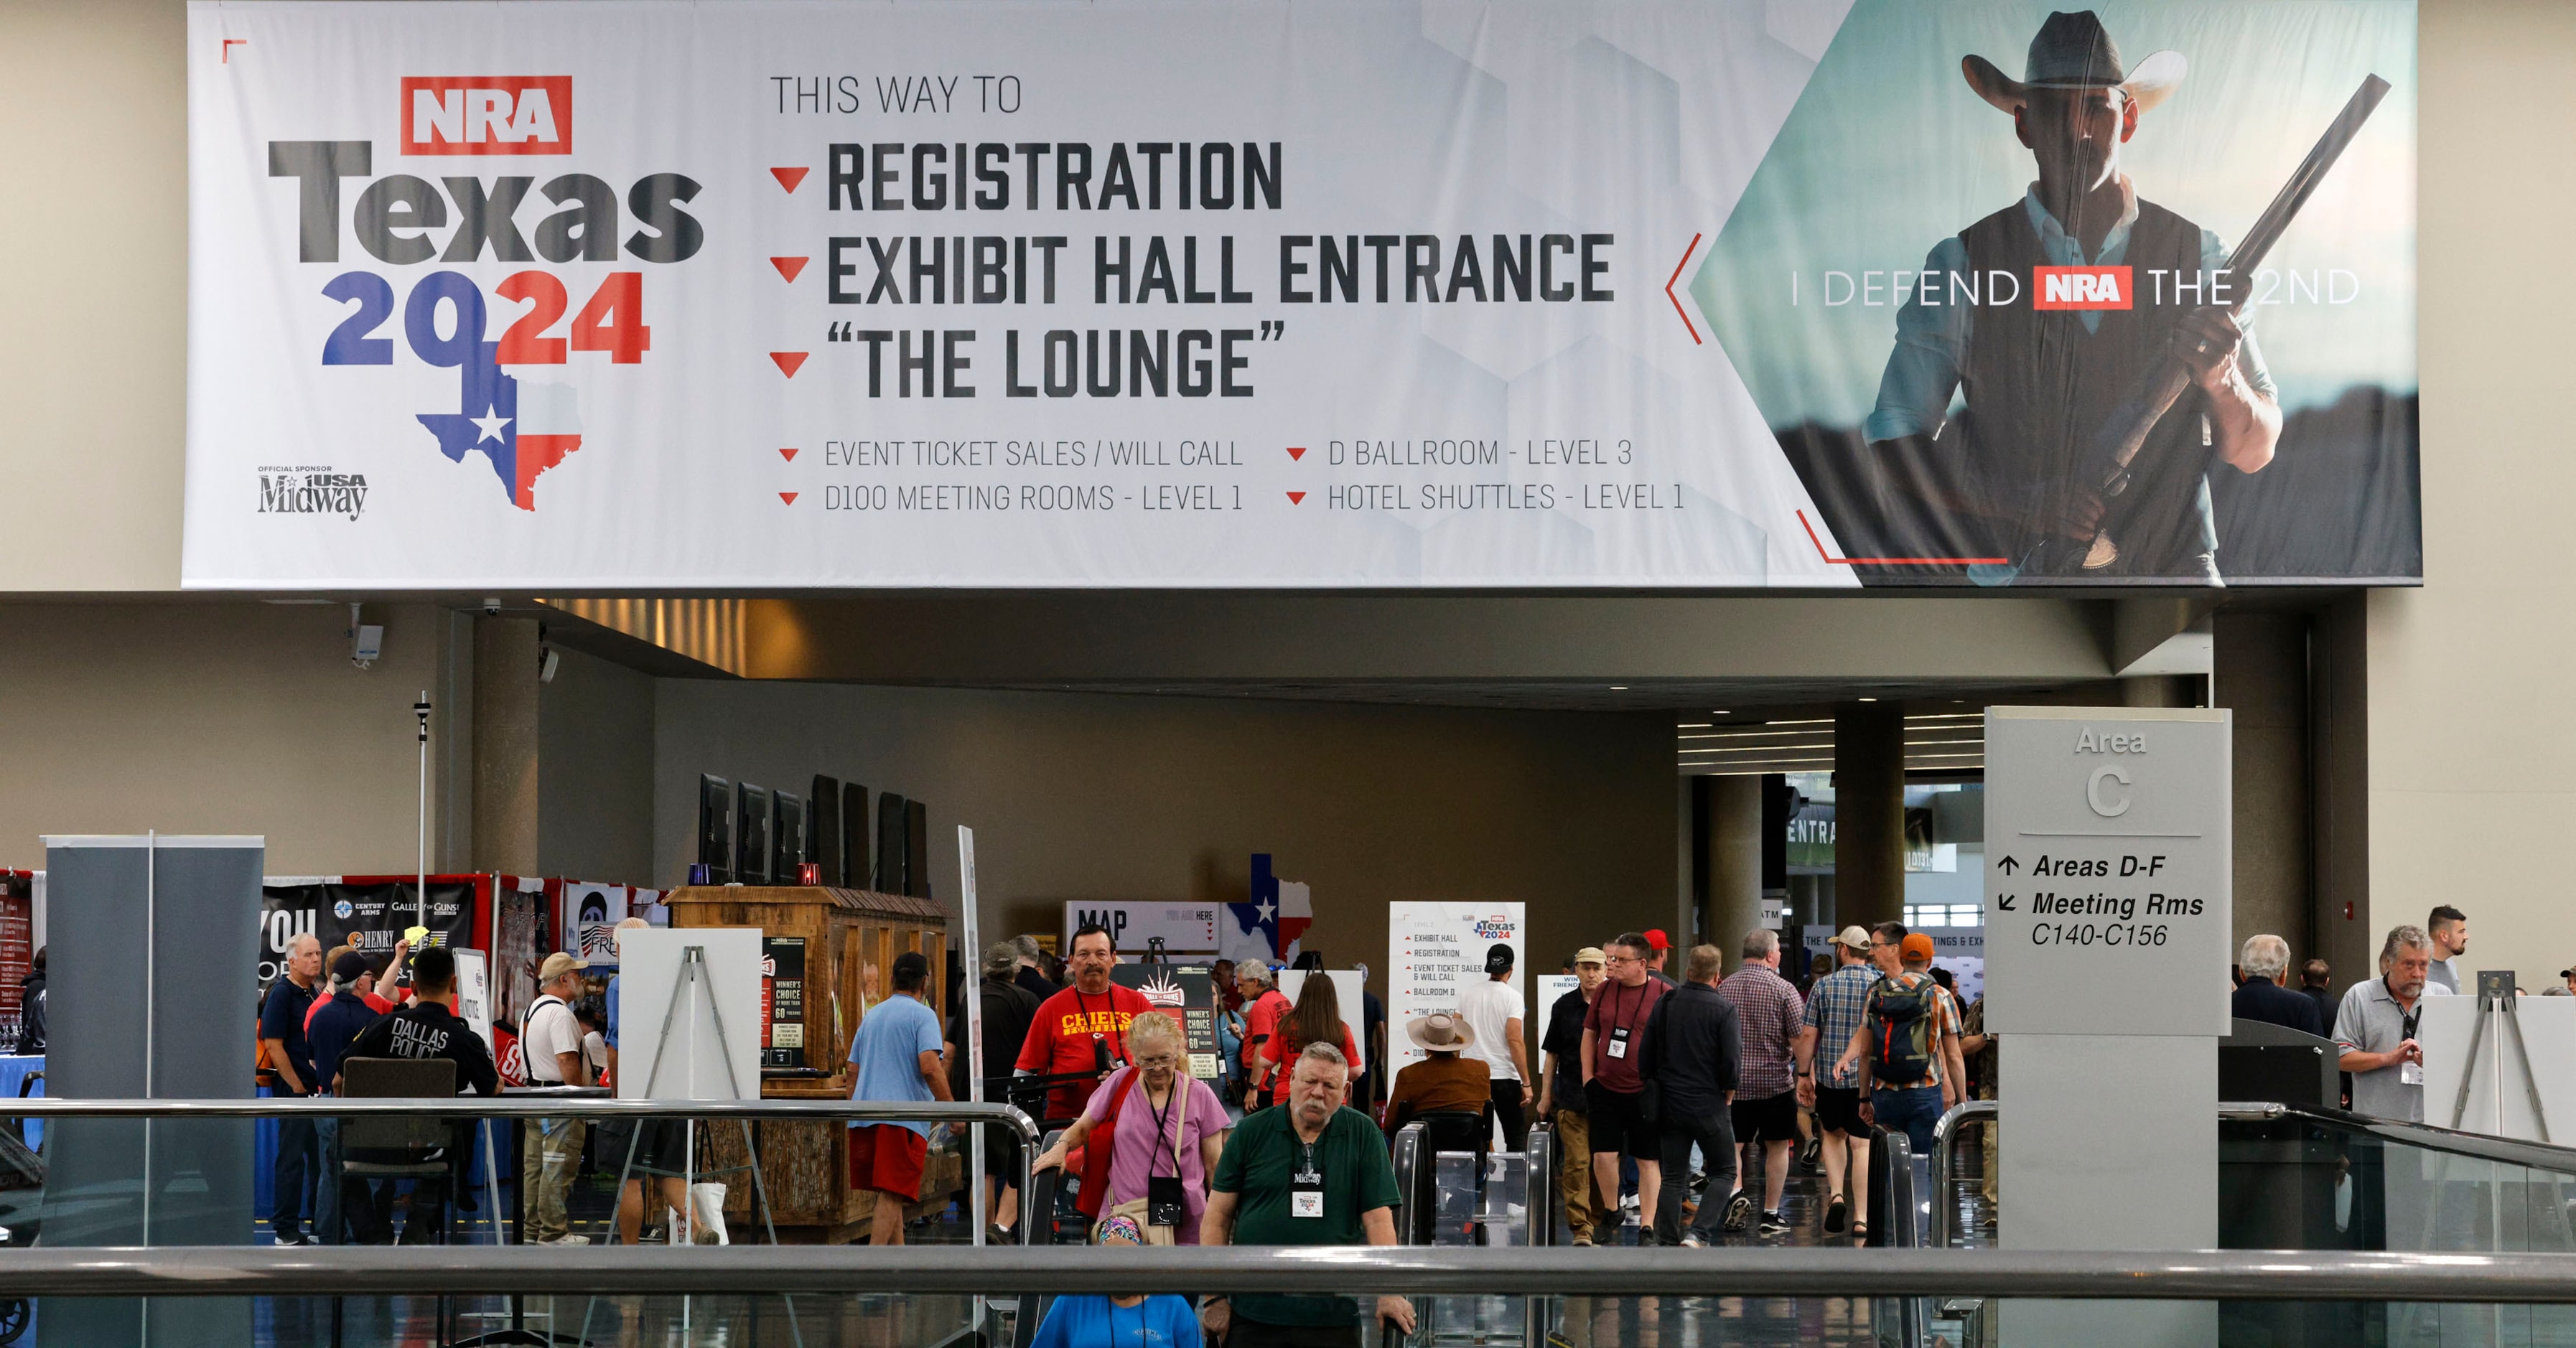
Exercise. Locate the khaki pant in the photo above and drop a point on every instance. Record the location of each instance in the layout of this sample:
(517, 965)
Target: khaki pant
(548, 1156)
(1583, 1207)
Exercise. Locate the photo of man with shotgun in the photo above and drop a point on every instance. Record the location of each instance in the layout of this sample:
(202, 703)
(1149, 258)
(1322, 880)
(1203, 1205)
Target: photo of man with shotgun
(2054, 396)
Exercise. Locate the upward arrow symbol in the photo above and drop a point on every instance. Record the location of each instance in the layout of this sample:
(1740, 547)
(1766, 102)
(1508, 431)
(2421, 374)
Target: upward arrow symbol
(2007, 865)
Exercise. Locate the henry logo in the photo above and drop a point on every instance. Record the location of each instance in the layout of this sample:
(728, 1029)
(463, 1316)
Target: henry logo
(487, 114)
(311, 491)
(2080, 288)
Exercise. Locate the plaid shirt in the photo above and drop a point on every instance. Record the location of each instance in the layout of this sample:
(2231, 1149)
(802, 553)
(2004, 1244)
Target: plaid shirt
(1834, 1007)
(1767, 1008)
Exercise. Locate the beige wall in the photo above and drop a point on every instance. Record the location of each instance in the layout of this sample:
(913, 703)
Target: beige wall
(595, 773)
(2472, 731)
(207, 718)
(1087, 796)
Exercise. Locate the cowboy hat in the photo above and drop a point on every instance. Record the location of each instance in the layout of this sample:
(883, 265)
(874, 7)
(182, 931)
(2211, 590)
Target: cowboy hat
(1440, 1032)
(2074, 51)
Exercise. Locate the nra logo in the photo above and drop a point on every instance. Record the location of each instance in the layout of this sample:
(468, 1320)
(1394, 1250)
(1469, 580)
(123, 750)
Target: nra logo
(2080, 288)
(487, 114)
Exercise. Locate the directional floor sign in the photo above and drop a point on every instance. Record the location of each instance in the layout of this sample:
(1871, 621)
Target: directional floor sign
(2107, 854)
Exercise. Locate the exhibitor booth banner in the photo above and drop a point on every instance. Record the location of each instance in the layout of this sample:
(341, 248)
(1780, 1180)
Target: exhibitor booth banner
(1349, 294)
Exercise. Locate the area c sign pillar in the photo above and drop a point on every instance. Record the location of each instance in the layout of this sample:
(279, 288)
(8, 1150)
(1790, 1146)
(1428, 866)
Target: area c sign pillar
(2107, 949)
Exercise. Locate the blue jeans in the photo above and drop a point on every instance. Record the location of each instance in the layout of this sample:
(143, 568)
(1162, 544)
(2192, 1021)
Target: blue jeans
(1912, 1112)
(298, 1165)
(326, 1185)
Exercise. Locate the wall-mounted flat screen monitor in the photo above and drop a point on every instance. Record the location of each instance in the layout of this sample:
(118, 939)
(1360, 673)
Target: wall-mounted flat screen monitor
(855, 828)
(916, 849)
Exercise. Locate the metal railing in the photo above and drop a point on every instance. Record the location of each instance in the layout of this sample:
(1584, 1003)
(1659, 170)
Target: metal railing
(2120, 1275)
(568, 1105)
(1945, 1141)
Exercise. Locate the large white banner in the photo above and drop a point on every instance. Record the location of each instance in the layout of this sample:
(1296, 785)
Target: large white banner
(1334, 293)
(1024, 294)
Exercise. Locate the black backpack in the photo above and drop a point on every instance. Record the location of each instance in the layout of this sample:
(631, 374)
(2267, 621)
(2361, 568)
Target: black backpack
(1901, 1031)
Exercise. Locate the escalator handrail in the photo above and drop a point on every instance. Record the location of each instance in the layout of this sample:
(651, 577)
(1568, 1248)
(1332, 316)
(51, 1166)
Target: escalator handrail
(2477, 1146)
(1945, 1134)
(1407, 1157)
(1540, 1154)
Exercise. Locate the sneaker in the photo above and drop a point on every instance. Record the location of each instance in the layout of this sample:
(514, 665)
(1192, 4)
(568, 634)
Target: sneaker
(1693, 1242)
(1739, 1211)
(1837, 1215)
(563, 1240)
(296, 1238)
(1811, 1154)
(1582, 1237)
(1698, 1183)
(1773, 1224)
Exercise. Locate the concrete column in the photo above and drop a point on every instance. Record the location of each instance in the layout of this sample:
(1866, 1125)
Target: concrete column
(1869, 812)
(505, 745)
(2261, 674)
(2340, 922)
(1734, 860)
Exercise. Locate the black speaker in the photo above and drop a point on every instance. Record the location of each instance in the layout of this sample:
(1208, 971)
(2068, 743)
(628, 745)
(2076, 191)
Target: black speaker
(715, 827)
(751, 835)
(889, 870)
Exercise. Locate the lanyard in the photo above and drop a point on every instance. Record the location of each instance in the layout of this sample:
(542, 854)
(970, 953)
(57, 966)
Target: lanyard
(2406, 1020)
(1166, 1139)
(1083, 1009)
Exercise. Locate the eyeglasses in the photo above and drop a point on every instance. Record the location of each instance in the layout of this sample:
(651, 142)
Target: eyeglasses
(1157, 1060)
(1625, 959)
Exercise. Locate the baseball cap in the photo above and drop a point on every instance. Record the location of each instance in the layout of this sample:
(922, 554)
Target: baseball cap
(350, 967)
(556, 966)
(1917, 947)
(1498, 958)
(1657, 940)
(1591, 954)
(1854, 936)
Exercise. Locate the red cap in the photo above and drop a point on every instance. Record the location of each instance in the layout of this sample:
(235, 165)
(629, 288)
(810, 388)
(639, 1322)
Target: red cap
(1916, 946)
(1655, 939)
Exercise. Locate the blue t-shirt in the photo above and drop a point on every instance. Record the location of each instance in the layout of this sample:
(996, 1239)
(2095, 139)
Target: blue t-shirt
(887, 1049)
(608, 1031)
(1164, 1321)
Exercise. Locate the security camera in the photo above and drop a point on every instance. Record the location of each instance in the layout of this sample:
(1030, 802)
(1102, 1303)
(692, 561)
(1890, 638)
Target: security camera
(491, 608)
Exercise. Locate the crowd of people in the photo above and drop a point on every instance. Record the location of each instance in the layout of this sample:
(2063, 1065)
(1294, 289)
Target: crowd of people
(1697, 1096)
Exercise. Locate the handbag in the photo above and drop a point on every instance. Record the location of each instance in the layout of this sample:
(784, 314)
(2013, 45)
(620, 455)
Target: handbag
(1135, 1209)
(1095, 1153)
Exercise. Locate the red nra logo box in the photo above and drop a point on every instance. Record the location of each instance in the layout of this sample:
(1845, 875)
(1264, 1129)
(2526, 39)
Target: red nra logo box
(487, 114)
(2080, 288)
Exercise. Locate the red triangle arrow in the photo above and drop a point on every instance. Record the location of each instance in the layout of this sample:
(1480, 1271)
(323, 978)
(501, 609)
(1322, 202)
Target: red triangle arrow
(788, 266)
(789, 362)
(788, 454)
(789, 177)
(1296, 498)
(1297, 452)
(788, 496)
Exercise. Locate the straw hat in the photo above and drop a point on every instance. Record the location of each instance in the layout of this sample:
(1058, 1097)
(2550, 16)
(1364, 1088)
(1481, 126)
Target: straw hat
(1440, 1032)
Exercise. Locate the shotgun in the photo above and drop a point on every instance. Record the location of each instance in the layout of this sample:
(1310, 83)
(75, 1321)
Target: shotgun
(2115, 446)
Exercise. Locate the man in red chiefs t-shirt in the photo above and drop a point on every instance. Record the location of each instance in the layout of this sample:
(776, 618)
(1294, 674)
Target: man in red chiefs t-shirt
(1083, 1029)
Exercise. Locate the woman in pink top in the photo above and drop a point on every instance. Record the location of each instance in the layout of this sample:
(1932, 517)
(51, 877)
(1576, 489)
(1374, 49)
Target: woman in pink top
(1163, 1124)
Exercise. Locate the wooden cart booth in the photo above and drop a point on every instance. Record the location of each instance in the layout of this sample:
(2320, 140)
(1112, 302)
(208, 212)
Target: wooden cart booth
(827, 954)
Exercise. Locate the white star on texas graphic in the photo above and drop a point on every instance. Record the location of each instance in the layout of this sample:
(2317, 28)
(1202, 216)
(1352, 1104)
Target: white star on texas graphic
(490, 423)
(1266, 909)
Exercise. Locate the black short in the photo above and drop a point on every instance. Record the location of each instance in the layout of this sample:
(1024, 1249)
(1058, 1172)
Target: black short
(660, 1146)
(1838, 1111)
(1773, 1118)
(1002, 1153)
(1617, 1127)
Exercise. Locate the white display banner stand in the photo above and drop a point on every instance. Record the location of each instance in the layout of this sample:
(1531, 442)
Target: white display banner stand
(649, 981)
(1186, 929)
(2500, 1087)
(1436, 951)
(2107, 940)
(474, 993)
(1347, 986)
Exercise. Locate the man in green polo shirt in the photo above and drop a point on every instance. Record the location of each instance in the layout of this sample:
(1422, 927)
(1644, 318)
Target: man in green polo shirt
(1314, 1173)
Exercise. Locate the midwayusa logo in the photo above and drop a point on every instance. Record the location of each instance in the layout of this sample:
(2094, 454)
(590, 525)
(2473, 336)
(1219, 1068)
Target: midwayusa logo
(306, 491)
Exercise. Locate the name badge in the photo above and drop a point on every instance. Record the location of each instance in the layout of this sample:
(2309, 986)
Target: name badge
(2410, 1073)
(1306, 1194)
(1619, 1042)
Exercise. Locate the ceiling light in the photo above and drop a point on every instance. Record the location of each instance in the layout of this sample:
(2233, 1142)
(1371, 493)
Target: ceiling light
(1618, 688)
(1869, 699)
